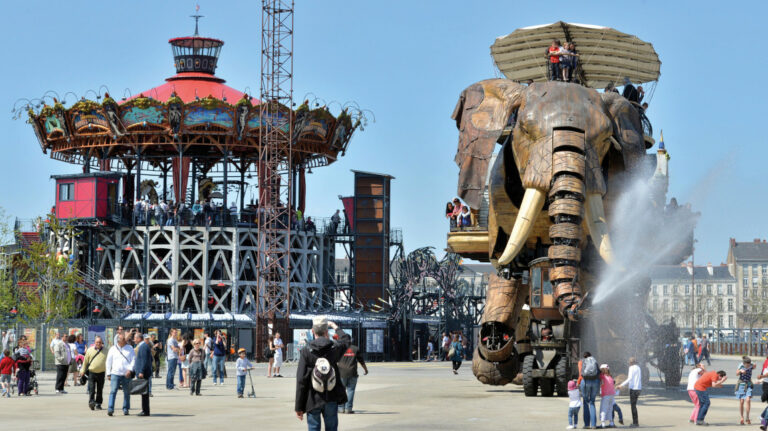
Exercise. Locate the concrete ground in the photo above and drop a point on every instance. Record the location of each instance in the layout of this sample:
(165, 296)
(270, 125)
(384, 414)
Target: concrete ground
(402, 396)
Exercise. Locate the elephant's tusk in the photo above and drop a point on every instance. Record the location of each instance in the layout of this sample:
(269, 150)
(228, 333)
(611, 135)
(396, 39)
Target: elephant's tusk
(598, 228)
(533, 202)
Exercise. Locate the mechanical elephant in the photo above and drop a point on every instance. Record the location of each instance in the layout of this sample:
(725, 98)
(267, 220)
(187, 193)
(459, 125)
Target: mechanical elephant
(568, 146)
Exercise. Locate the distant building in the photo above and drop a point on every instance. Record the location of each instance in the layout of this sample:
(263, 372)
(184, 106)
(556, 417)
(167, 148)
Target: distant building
(712, 301)
(748, 263)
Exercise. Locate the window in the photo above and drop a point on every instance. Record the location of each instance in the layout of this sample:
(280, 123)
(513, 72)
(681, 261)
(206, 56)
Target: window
(754, 293)
(674, 289)
(730, 289)
(719, 321)
(730, 321)
(698, 289)
(746, 309)
(719, 305)
(675, 305)
(745, 281)
(709, 321)
(754, 281)
(665, 305)
(665, 288)
(720, 289)
(67, 192)
(687, 289)
(709, 289)
(654, 304)
(654, 292)
(746, 292)
(709, 304)
(730, 305)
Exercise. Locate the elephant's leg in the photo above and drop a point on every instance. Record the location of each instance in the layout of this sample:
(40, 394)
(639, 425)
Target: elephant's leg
(566, 210)
(495, 360)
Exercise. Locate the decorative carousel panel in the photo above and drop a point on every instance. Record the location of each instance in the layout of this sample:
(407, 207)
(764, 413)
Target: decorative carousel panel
(315, 125)
(54, 123)
(142, 111)
(278, 117)
(88, 118)
(342, 133)
(209, 112)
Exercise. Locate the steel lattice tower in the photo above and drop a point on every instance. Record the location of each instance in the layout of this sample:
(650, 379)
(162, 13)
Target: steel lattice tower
(275, 158)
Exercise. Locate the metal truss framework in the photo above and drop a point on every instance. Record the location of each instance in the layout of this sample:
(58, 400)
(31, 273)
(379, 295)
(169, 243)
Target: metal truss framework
(212, 269)
(275, 167)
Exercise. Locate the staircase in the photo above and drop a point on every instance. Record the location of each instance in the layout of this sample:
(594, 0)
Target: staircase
(99, 293)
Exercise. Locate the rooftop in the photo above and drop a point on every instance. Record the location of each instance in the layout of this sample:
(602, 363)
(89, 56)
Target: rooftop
(701, 273)
(757, 249)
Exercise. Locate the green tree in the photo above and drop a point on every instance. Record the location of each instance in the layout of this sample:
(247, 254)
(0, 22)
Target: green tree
(47, 283)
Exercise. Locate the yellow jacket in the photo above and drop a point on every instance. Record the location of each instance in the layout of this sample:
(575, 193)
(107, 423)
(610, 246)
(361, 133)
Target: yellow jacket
(95, 360)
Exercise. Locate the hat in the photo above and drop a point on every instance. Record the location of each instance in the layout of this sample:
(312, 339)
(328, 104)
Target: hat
(146, 336)
(240, 350)
(747, 360)
(572, 385)
(320, 323)
(605, 366)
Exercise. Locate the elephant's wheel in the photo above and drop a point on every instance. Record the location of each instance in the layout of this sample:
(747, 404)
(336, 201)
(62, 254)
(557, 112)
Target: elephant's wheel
(530, 384)
(562, 373)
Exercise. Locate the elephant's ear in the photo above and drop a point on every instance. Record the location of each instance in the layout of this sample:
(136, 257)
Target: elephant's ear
(481, 113)
(627, 129)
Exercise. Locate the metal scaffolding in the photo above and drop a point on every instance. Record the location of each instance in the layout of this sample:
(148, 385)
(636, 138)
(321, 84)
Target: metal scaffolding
(275, 165)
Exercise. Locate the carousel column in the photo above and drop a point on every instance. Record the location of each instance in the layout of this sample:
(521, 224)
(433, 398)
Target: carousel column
(226, 183)
(205, 272)
(165, 184)
(235, 271)
(138, 180)
(242, 184)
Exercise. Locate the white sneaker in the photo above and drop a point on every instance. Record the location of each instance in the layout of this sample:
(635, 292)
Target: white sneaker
(569, 427)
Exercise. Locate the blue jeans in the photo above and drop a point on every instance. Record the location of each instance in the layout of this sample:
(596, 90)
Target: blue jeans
(208, 364)
(181, 373)
(703, 405)
(240, 384)
(573, 416)
(330, 417)
(617, 409)
(218, 368)
(589, 391)
(171, 373)
(350, 383)
(115, 382)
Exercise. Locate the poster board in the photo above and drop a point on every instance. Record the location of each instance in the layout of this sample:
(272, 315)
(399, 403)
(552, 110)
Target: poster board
(97, 331)
(31, 334)
(374, 340)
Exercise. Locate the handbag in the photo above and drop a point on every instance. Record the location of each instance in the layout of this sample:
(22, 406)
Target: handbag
(84, 378)
(139, 386)
(451, 352)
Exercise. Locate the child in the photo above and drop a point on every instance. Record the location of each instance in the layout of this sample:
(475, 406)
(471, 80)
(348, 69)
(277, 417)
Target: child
(243, 365)
(616, 408)
(7, 368)
(573, 405)
(607, 393)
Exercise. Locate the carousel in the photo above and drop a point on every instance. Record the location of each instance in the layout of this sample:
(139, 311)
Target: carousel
(151, 160)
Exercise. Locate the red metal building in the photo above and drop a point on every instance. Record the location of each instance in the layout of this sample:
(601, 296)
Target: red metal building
(87, 196)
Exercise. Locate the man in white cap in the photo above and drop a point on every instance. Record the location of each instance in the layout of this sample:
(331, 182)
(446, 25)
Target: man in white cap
(319, 391)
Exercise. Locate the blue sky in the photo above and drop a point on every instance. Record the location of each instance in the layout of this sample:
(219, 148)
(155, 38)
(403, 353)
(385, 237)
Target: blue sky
(407, 61)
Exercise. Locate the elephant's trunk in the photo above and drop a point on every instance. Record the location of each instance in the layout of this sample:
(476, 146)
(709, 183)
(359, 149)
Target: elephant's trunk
(566, 210)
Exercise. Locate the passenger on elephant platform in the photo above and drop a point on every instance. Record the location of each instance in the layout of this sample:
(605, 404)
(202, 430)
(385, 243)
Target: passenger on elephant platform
(465, 218)
(573, 61)
(449, 214)
(456, 210)
(631, 93)
(554, 60)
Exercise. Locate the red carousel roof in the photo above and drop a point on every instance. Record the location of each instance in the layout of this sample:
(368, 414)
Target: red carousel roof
(191, 86)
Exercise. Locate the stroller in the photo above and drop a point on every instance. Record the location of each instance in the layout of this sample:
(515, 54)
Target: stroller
(33, 376)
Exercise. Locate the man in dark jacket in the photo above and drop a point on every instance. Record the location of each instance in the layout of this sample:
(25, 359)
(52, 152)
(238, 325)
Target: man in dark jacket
(308, 399)
(348, 368)
(143, 367)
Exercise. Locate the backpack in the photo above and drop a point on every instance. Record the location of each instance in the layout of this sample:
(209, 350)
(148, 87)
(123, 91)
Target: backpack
(268, 353)
(589, 368)
(323, 376)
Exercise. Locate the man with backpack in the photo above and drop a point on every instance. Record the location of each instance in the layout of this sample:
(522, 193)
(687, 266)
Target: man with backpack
(318, 387)
(589, 383)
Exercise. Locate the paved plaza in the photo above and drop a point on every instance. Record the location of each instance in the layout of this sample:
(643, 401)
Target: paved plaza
(394, 396)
